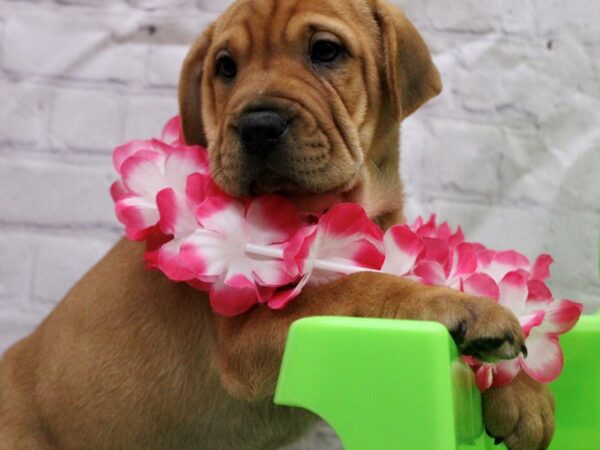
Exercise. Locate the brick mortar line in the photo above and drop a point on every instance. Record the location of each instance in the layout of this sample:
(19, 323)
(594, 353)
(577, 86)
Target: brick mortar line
(88, 159)
(59, 230)
(121, 10)
(422, 198)
(134, 87)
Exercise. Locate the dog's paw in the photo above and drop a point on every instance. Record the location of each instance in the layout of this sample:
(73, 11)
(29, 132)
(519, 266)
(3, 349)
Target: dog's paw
(489, 332)
(480, 327)
(520, 414)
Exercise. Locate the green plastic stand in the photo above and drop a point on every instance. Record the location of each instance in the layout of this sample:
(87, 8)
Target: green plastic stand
(388, 384)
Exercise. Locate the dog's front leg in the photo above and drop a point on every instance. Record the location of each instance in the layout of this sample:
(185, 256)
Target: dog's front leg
(250, 347)
(520, 414)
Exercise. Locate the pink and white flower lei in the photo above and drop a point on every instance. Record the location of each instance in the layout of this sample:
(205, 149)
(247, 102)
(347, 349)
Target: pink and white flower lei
(263, 251)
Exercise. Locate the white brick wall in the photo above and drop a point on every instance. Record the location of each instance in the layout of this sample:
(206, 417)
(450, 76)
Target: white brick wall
(511, 150)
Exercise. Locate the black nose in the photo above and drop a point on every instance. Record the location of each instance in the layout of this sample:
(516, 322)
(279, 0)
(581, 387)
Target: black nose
(261, 131)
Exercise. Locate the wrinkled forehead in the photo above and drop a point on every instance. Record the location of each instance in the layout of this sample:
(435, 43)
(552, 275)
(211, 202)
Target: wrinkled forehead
(277, 24)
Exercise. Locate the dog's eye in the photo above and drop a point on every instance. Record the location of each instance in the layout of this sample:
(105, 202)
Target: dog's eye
(324, 51)
(226, 67)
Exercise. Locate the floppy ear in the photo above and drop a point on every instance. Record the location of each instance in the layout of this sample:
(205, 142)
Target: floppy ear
(411, 76)
(190, 90)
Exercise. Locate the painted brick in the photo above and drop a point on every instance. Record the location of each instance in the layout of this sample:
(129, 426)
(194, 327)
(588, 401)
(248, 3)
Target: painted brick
(578, 18)
(23, 112)
(16, 268)
(213, 6)
(161, 4)
(452, 159)
(89, 3)
(146, 115)
(54, 194)
(86, 120)
(95, 48)
(480, 17)
(472, 16)
(53, 275)
(164, 64)
(552, 166)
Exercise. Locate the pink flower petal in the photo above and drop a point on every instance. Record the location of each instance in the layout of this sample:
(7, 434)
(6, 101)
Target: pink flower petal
(143, 149)
(484, 257)
(155, 239)
(126, 151)
(531, 321)
(271, 273)
(182, 163)
(201, 186)
(545, 360)
(513, 292)
(537, 290)
(561, 317)
(223, 215)
(506, 371)
(118, 190)
(431, 273)
(282, 297)
(142, 177)
(176, 216)
(296, 254)
(428, 229)
(136, 213)
(504, 262)
(230, 301)
(464, 260)
(170, 263)
(207, 253)
(171, 133)
(481, 285)
(444, 232)
(484, 377)
(402, 246)
(271, 219)
(456, 239)
(434, 250)
(347, 219)
(367, 255)
(541, 267)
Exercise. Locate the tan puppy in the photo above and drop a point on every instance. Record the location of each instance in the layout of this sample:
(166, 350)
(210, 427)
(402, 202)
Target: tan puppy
(299, 97)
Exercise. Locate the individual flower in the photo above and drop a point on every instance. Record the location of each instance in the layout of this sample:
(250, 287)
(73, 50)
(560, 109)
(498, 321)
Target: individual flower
(220, 251)
(147, 168)
(543, 320)
(178, 220)
(343, 241)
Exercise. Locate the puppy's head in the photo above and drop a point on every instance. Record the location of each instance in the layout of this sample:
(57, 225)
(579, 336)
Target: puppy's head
(299, 97)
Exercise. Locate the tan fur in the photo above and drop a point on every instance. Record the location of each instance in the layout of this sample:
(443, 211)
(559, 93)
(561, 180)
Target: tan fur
(130, 360)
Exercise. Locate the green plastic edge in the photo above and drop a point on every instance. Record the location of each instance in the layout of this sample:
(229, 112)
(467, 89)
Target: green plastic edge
(389, 384)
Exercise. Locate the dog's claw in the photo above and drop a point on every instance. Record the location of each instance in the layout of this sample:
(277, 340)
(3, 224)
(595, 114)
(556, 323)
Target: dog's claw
(510, 338)
(459, 333)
